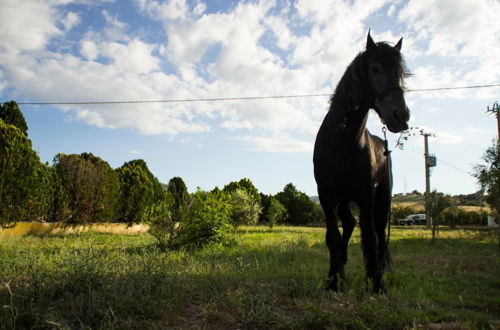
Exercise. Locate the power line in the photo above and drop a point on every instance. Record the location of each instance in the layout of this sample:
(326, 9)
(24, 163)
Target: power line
(176, 100)
(242, 98)
(448, 164)
(452, 88)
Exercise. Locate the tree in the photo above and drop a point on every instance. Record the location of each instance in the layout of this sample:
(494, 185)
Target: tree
(245, 209)
(139, 190)
(245, 184)
(299, 207)
(19, 166)
(178, 189)
(107, 191)
(488, 176)
(89, 189)
(438, 202)
(41, 201)
(11, 114)
(275, 212)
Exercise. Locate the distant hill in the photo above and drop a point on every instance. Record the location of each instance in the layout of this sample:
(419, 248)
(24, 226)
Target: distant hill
(315, 199)
(416, 200)
(408, 198)
(399, 198)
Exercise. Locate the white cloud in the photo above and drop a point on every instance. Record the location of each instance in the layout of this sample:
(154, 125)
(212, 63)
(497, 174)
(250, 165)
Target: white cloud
(168, 10)
(89, 50)
(132, 57)
(279, 143)
(115, 30)
(246, 50)
(70, 20)
(464, 33)
(26, 25)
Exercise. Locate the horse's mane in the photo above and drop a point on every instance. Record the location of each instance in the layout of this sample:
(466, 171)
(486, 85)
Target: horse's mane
(354, 89)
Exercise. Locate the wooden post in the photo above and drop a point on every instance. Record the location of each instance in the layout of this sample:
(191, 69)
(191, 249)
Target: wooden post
(427, 181)
(495, 109)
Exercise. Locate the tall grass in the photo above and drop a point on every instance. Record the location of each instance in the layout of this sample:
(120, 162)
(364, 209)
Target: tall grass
(269, 279)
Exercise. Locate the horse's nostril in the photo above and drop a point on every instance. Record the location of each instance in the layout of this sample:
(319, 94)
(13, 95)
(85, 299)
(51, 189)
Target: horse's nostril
(396, 116)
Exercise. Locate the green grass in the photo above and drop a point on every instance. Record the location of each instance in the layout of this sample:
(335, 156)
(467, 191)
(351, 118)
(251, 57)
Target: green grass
(269, 279)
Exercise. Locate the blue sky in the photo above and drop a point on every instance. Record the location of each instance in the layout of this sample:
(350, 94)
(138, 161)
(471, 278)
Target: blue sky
(64, 51)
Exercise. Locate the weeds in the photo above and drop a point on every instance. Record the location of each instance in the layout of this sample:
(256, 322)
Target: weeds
(268, 279)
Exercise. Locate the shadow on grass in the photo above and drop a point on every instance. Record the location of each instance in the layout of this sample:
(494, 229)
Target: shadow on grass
(247, 286)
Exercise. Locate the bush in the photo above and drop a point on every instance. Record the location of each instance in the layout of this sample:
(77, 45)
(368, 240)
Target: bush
(162, 225)
(205, 221)
(245, 209)
(455, 216)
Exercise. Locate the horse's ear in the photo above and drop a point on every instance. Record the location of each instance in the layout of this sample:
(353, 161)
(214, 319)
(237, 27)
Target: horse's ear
(370, 44)
(399, 44)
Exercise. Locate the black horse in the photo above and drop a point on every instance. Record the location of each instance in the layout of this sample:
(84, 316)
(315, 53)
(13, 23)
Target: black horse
(350, 164)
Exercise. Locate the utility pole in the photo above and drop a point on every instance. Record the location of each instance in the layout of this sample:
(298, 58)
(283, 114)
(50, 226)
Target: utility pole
(495, 109)
(427, 180)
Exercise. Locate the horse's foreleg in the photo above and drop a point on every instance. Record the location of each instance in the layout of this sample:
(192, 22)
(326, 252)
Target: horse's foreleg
(333, 241)
(348, 223)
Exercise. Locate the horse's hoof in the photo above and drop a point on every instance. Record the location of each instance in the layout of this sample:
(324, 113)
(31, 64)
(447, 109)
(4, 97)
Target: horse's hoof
(381, 290)
(331, 286)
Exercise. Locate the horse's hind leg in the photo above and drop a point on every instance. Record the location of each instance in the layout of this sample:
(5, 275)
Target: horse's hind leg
(333, 239)
(348, 223)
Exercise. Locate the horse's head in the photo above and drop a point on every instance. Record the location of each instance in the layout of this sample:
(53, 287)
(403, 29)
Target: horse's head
(385, 71)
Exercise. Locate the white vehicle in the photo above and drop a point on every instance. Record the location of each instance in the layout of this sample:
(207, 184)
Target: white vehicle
(413, 219)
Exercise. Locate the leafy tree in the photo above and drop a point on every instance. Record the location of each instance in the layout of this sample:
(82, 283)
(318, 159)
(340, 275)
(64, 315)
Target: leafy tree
(107, 192)
(438, 202)
(179, 192)
(488, 176)
(245, 184)
(245, 209)
(89, 189)
(319, 216)
(300, 209)
(11, 114)
(275, 212)
(19, 166)
(139, 190)
(41, 201)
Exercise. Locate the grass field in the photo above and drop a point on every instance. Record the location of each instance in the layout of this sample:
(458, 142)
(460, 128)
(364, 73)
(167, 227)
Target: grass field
(269, 279)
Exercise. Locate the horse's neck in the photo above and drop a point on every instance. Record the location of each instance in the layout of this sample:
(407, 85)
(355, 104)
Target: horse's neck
(349, 123)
